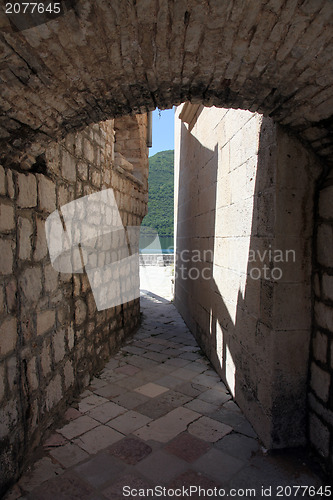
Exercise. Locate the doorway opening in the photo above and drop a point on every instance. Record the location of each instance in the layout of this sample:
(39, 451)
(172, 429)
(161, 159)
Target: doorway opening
(157, 229)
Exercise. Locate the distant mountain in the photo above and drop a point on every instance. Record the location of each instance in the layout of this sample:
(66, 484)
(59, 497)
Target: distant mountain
(161, 193)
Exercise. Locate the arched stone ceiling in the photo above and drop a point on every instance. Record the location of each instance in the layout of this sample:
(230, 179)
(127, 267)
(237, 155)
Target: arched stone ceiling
(104, 58)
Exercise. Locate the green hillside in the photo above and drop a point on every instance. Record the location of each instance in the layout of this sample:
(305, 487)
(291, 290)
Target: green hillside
(161, 189)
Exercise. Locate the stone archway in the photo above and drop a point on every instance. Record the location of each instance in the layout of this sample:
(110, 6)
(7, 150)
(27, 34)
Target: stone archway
(103, 59)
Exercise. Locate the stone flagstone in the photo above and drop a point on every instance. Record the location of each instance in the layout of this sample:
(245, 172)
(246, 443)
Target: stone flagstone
(141, 433)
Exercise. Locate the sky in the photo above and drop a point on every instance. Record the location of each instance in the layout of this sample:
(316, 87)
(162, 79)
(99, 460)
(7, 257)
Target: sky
(163, 131)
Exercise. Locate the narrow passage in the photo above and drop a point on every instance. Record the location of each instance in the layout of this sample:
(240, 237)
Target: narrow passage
(158, 415)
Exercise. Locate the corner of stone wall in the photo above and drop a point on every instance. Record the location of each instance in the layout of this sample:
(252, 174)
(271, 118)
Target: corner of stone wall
(320, 396)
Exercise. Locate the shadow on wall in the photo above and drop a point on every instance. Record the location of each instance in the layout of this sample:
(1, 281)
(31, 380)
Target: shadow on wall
(244, 224)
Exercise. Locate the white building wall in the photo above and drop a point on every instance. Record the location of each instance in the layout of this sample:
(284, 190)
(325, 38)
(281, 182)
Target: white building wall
(244, 205)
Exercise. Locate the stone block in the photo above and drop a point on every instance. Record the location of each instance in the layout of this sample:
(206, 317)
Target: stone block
(32, 374)
(6, 261)
(152, 390)
(319, 345)
(68, 168)
(88, 150)
(12, 372)
(58, 338)
(25, 232)
(68, 374)
(78, 426)
(45, 358)
(27, 191)
(325, 245)
(320, 382)
(46, 194)
(82, 170)
(2, 180)
(53, 392)
(2, 381)
(11, 296)
(8, 418)
(10, 184)
(7, 222)
(50, 278)
(70, 337)
(187, 447)
(327, 287)
(8, 335)
(325, 203)
(131, 451)
(129, 422)
(42, 471)
(80, 312)
(98, 439)
(100, 470)
(69, 455)
(169, 426)
(319, 435)
(209, 430)
(219, 465)
(2, 300)
(40, 243)
(323, 316)
(45, 321)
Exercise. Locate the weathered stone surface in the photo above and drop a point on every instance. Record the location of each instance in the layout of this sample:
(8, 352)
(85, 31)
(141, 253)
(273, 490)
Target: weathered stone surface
(25, 232)
(45, 321)
(27, 191)
(6, 261)
(320, 347)
(2, 180)
(8, 335)
(325, 245)
(323, 316)
(245, 205)
(325, 203)
(46, 194)
(68, 374)
(7, 222)
(320, 382)
(51, 278)
(80, 312)
(68, 167)
(319, 435)
(209, 62)
(41, 244)
(45, 358)
(43, 298)
(53, 392)
(58, 341)
(327, 284)
(31, 283)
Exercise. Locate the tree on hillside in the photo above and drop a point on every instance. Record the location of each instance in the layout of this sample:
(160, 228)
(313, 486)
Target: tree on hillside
(161, 193)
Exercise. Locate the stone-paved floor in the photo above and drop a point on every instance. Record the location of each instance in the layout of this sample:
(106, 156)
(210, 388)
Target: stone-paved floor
(158, 414)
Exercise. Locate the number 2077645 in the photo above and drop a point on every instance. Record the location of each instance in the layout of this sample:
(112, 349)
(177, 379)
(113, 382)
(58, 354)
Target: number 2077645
(32, 8)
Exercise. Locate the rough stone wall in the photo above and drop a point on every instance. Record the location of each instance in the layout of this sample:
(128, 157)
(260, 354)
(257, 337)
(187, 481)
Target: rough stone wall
(52, 338)
(131, 144)
(321, 367)
(243, 188)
